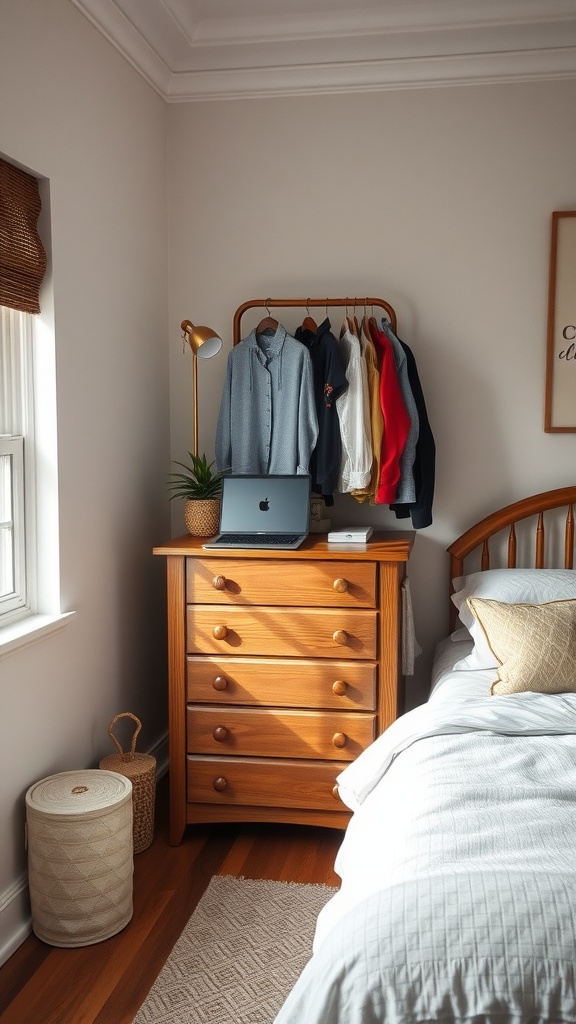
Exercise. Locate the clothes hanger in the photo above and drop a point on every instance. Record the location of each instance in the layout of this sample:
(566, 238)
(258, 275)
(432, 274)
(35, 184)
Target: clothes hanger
(350, 323)
(309, 324)
(371, 320)
(352, 320)
(365, 327)
(268, 322)
(364, 323)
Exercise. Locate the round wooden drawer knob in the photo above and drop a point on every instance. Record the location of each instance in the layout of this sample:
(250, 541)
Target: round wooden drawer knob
(335, 791)
(339, 687)
(220, 632)
(219, 683)
(340, 586)
(220, 733)
(340, 637)
(220, 784)
(219, 583)
(339, 739)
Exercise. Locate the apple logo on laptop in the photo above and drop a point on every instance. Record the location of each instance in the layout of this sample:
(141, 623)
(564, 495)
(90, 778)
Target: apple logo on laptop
(264, 505)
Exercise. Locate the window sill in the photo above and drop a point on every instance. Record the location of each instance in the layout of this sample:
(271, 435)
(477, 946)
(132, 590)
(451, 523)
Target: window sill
(28, 631)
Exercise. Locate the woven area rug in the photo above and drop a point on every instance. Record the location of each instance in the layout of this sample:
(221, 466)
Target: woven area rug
(239, 955)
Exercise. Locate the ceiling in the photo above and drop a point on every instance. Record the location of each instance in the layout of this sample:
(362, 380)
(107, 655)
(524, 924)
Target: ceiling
(218, 49)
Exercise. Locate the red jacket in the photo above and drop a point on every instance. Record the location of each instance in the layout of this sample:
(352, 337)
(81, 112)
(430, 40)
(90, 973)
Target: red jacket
(396, 419)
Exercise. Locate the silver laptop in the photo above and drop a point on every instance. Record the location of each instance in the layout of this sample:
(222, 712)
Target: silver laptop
(263, 512)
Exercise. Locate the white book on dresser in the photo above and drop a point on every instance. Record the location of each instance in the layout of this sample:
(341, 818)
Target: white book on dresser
(350, 535)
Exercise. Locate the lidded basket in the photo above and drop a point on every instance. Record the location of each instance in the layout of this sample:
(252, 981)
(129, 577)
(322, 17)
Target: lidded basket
(80, 863)
(141, 770)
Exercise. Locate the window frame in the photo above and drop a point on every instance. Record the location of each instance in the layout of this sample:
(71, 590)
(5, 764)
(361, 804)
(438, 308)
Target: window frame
(17, 440)
(15, 602)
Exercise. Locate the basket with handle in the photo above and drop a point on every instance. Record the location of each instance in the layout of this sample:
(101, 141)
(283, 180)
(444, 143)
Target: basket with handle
(141, 770)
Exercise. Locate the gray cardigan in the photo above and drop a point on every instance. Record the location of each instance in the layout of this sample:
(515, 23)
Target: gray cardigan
(267, 421)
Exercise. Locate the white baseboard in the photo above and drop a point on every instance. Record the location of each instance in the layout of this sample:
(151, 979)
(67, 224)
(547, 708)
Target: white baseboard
(15, 917)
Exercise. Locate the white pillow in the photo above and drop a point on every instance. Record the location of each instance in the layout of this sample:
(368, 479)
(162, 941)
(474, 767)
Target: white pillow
(511, 586)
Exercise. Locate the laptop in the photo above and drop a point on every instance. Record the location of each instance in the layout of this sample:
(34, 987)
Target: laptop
(263, 512)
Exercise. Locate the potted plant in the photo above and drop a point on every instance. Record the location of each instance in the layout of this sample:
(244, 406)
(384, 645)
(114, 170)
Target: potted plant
(199, 486)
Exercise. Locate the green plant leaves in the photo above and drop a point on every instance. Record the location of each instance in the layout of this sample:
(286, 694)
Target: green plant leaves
(198, 481)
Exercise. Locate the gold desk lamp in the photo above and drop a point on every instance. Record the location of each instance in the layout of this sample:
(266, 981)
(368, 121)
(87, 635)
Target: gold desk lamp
(204, 343)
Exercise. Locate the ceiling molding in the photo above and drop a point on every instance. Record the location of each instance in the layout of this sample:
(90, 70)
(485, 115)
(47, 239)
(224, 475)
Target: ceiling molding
(217, 22)
(373, 76)
(187, 53)
(115, 27)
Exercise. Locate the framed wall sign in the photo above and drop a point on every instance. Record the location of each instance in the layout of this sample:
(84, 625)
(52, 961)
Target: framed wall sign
(560, 405)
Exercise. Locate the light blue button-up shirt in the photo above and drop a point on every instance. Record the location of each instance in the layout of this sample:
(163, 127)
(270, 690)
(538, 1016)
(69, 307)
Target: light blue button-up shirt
(267, 421)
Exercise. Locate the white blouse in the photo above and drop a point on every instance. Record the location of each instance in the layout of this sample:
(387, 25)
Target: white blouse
(353, 409)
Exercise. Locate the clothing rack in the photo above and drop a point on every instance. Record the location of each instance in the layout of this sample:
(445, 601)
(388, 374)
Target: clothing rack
(307, 304)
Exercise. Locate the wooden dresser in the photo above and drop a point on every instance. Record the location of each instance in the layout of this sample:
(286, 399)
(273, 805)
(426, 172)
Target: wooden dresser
(282, 668)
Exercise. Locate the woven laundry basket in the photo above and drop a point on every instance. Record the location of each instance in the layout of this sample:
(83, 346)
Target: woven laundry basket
(80, 862)
(141, 770)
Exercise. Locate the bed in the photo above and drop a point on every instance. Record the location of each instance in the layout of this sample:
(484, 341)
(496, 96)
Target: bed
(458, 868)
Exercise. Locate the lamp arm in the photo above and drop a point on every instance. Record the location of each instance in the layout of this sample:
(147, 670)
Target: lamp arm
(195, 399)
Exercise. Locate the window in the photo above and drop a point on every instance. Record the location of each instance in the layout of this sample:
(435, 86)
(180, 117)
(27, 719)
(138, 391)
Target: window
(29, 533)
(16, 454)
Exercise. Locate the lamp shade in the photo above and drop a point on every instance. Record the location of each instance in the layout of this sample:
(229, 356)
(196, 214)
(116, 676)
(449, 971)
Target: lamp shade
(203, 341)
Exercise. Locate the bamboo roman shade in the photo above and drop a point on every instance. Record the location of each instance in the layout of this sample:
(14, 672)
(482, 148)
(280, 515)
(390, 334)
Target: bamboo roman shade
(22, 255)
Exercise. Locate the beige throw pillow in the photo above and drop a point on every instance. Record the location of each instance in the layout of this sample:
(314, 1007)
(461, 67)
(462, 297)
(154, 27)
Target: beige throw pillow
(535, 644)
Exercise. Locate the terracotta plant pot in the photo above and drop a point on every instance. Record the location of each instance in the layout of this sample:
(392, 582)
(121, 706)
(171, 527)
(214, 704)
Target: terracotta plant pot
(202, 517)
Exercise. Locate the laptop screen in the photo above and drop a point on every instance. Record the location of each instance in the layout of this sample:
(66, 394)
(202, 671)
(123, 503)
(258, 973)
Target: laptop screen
(265, 504)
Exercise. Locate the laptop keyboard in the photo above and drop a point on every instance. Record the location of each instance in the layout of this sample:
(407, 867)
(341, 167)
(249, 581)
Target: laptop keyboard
(257, 538)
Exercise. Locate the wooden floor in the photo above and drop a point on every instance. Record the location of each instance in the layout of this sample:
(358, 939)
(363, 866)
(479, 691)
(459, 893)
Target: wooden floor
(107, 982)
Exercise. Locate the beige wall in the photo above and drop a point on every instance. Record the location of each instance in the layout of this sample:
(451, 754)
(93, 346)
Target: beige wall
(436, 200)
(74, 111)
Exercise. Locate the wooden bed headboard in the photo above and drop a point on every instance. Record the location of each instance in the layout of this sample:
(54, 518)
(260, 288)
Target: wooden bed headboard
(480, 535)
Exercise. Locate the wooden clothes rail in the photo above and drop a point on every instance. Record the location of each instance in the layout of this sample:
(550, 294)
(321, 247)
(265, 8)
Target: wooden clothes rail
(306, 304)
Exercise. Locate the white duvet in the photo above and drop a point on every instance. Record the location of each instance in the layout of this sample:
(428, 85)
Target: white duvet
(458, 867)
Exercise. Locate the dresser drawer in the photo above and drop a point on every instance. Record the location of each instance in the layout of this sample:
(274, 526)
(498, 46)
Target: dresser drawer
(294, 632)
(273, 783)
(301, 683)
(320, 584)
(274, 733)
